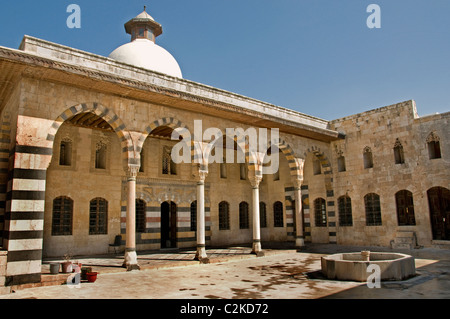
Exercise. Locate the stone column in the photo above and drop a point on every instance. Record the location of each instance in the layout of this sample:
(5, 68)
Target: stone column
(130, 261)
(200, 176)
(299, 236)
(298, 181)
(256, 246)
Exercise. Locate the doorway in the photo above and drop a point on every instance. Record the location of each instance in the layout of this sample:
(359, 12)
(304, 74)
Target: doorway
(439, 202)
(168, 225)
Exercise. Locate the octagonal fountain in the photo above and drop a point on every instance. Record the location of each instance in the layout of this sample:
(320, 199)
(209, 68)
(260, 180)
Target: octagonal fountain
(353, 266)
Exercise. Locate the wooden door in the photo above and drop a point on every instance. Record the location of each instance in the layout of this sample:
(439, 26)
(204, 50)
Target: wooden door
(439, 203)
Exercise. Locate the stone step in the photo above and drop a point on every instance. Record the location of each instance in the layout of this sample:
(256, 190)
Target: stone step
(404, 240)
(402, 246)
(405, 234)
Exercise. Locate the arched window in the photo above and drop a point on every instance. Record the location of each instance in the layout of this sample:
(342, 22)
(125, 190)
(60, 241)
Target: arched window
(243, 216)
(398, 152)
(262, 215)
(434, 148)
(140, 216)
(65, 153)
(278, 214)
(405, 208)
(98, 216)
(224, 216)
(345, 211)
(373, 209)
(194, 215)
(367, 156)
(62, 216)
(320, 212)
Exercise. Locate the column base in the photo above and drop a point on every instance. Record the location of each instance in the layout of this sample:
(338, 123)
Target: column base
(258, 253)
(300, 243)
(130, 261)
(200, 255)
(256, 249)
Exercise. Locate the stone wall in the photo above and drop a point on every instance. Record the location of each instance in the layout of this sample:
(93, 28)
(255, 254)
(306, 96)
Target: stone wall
(379, 129)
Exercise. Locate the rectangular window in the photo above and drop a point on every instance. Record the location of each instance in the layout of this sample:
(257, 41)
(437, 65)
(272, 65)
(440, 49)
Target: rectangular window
(341, 164)
(345, 211)
(434, 150)
(100, 156)
(223, 170)
(65, 153)
(320, 212)
(278, 214)
(373, 210)
(224, 216)
(98, 216)
(168, 166)
(368, 159)
(243, 216)
(262, 215)
(242, 171)
(141, 208)
(62, 216)
(194, 216)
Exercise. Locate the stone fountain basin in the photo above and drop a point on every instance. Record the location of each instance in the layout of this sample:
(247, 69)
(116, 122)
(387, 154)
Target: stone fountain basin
(353, 266)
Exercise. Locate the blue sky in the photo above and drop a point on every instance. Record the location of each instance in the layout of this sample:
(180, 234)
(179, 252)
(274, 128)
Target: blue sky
(314, 56)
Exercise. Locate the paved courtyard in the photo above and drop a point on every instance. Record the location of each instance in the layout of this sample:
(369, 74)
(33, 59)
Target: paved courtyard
(283, 273)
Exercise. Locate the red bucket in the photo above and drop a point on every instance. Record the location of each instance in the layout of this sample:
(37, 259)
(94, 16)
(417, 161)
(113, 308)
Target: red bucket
(91, 276)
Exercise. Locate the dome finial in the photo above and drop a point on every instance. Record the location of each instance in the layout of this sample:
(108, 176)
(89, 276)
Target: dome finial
(145, 7)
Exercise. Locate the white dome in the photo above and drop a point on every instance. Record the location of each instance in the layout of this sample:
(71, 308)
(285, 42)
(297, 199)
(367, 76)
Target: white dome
(146, 54)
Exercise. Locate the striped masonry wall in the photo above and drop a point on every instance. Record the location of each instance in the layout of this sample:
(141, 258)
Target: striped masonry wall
(25, 188)
(4, 164)
(289, 198)
(327, 171)
(24, 217)
(331, 212)
(306, 213)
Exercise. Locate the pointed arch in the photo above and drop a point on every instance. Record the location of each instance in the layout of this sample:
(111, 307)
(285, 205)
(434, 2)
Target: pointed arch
(294, 168)
(325, 165)
(106, 114)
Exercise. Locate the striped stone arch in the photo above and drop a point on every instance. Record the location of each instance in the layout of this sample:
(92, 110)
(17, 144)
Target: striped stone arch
(165, 121)
(326, 166)
(103, 112)
(294, 167)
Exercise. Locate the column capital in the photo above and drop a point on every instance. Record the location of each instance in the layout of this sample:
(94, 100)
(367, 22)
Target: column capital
(199, 172)
(132, 171)
(255, 177)
(255, 180)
